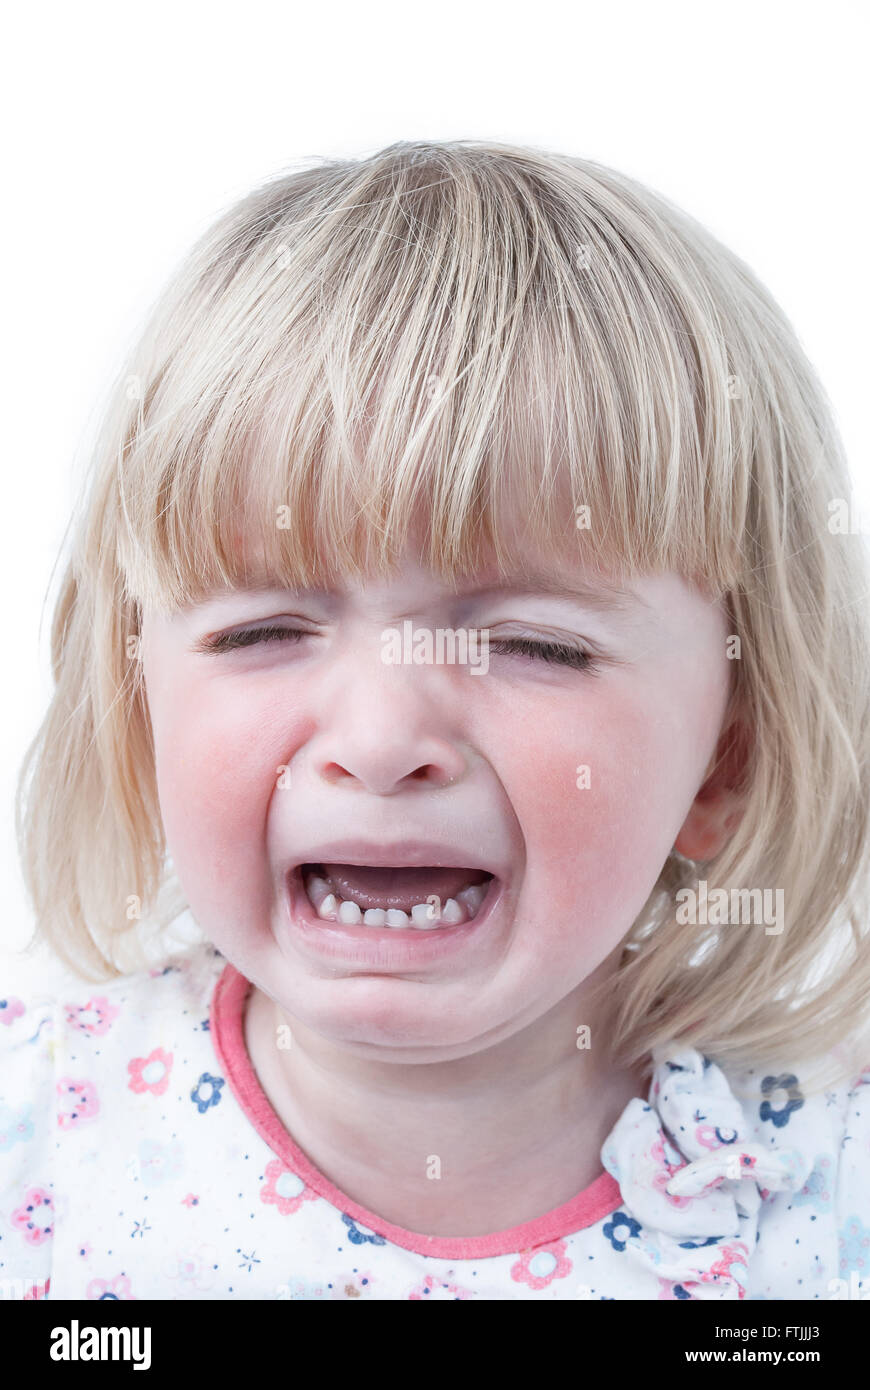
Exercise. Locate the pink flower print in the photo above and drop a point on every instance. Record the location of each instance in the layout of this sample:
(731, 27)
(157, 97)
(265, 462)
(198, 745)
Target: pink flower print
(665, 1169)
(434, 1289)
(284, 1188)
(78, 1102)
(539, 1267)
(94, 1018)
(732, 1264)
(117, 1288)
(157, 1162)
(710, 1137)
(10, 1009)
(150, 1073)
(35, 1217)
(193, 1269)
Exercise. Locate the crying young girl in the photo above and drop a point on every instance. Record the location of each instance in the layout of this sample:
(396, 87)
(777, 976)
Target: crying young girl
(454, 1018)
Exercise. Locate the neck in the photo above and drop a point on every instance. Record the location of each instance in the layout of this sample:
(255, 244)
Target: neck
(465, 1147)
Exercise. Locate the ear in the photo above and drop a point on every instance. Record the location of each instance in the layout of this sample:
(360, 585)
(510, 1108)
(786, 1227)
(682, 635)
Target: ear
(718, 806)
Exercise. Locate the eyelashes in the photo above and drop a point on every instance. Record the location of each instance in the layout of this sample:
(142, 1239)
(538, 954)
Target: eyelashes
(554, 653)
(558, 654)
(248, 637)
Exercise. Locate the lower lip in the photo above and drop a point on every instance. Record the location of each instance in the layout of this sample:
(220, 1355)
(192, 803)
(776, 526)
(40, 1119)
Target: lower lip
(390, 948)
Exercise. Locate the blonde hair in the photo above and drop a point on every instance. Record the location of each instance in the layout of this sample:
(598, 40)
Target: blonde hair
(459, 330)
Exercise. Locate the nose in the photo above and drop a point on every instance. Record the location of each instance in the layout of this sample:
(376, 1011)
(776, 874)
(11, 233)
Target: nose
(388, 727)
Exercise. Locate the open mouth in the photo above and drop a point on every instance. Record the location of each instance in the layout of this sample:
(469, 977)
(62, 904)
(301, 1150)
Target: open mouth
(419, 898)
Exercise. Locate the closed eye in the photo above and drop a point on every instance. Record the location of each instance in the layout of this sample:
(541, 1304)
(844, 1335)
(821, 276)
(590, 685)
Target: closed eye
(248, 637)
(555, 653)
(560, 654)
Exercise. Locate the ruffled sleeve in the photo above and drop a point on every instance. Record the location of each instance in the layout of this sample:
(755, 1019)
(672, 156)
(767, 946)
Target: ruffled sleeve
(27, 1147)
(693, 1177)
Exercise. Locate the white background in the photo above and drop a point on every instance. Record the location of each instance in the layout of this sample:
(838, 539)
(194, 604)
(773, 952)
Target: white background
(129, 127)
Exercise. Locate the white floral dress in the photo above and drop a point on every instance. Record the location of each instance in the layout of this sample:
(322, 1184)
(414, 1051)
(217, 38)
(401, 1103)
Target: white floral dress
(140, 1158)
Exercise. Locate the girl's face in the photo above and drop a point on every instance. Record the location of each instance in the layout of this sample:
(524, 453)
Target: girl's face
(569, 785)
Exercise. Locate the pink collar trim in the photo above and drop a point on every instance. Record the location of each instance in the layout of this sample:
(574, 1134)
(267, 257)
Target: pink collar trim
(226, 1024)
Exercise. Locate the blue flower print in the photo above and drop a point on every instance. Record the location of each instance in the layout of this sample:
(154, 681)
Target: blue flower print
(855, 1246)
(16, 1126)
(360, 1235)
(201, 1102)
(726, 1136)
(787, 1083)
(620, 1229)
(817, 1188)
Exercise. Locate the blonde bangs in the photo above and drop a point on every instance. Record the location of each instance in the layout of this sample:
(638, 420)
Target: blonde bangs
(432, 353)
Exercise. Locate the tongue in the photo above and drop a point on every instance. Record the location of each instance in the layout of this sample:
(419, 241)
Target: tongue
(380, 887)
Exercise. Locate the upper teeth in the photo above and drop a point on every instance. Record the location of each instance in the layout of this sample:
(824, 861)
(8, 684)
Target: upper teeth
(423, 915)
